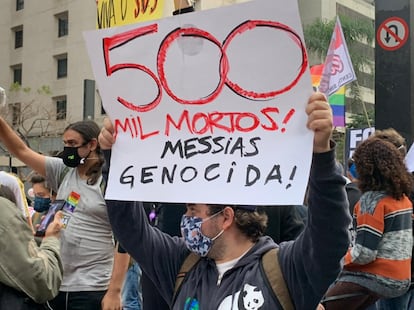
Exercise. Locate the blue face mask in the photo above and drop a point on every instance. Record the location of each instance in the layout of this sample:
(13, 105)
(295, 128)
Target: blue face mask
(353, 172)
(41, 204)
(194, 239)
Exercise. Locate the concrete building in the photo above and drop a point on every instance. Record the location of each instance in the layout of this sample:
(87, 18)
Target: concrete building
(42, 48)
(45, 68)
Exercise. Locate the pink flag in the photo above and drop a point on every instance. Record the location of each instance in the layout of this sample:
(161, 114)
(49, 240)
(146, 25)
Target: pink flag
(338, 69)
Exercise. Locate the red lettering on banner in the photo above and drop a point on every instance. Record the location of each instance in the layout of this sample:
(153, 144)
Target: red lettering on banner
(134, 127)
(287, 118)
(229, 122)
(118, 40)
(212, 122)
(110, 43)
(273, 125)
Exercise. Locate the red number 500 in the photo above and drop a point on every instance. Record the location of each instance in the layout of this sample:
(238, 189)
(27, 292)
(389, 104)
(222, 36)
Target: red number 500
(110, 43)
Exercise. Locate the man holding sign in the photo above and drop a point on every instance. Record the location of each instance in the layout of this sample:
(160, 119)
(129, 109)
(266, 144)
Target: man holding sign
(229, 242)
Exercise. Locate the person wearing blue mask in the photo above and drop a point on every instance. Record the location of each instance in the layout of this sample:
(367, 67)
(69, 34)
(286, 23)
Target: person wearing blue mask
(352, 191)
(43, 196)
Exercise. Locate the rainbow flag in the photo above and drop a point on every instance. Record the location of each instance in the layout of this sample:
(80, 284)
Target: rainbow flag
(336, 100)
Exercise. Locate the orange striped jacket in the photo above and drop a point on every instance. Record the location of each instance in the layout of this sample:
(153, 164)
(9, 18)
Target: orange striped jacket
(380, 256)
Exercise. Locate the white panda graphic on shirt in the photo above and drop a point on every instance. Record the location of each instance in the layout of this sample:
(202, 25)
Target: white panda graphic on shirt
(250, 298)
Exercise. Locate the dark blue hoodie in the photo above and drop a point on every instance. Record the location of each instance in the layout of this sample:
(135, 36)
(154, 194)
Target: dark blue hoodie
(309, 264)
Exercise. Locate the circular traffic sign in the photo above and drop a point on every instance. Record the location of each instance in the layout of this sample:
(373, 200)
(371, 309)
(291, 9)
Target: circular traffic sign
(392, 33)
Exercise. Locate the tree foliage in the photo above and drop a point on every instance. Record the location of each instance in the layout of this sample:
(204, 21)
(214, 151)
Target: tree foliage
(362, 120)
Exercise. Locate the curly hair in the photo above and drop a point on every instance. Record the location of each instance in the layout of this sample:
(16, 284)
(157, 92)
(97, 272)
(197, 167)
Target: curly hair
(251, 223)
(380, 167)
(391, 135)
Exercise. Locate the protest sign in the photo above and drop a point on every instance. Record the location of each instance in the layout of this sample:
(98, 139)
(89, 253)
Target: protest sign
(208, 106)
(409, 159)
(354, 137)
(111, 13)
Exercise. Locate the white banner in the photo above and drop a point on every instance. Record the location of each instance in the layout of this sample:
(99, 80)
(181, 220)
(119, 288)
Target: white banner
(208, 106)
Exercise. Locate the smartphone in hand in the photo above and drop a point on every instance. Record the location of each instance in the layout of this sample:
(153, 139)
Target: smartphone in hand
(54, 207)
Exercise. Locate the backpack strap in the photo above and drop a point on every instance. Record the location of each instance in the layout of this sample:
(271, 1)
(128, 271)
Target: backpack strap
(271, 267)
(102, 186)
(190, 261)
(62, 176)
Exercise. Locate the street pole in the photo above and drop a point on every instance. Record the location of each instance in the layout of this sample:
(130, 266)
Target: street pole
(394, 104)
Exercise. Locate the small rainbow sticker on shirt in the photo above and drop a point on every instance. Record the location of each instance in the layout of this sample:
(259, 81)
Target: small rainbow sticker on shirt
(73, 199)
(69, 207)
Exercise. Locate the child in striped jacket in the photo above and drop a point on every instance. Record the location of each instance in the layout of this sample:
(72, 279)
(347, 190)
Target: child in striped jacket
(378, 262)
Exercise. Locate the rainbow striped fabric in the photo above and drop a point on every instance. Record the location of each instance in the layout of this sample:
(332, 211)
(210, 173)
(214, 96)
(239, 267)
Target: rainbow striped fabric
(336, 100)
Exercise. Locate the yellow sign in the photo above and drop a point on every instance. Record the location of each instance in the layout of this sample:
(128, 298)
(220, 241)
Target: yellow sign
(112, 13)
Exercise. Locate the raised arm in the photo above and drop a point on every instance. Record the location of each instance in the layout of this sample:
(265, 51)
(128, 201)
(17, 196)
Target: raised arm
(320, 122)
(313, 261)
(16, 146)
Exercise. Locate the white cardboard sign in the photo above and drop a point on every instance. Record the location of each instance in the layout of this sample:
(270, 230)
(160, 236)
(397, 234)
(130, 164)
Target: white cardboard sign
(208, 106)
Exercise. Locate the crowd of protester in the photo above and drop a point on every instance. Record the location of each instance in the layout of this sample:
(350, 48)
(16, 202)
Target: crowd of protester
(112, 255)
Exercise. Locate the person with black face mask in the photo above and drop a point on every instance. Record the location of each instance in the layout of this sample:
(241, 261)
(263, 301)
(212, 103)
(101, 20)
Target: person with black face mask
(71, 157)
(93, 271)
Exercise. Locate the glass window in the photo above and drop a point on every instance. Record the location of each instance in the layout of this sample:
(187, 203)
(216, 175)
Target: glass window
(62, 67)
(60, 108)
(19, 5)
(18, 38)
(17, 75)
(63, 26)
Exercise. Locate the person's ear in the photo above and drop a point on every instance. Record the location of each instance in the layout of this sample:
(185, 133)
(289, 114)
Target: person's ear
(228, 214)
(93, 144)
